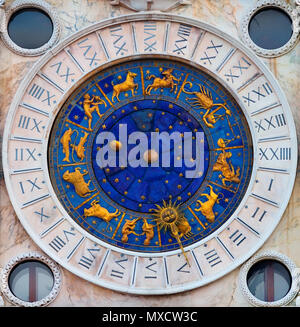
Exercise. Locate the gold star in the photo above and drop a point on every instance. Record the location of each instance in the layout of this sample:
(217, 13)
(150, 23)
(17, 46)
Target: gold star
(116, 180)
(119, 77)
(104, 126)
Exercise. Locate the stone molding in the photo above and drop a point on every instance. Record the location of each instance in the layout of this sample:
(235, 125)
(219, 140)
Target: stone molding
(4, 287)
(267, 255)
(21, 4)
(293, 13)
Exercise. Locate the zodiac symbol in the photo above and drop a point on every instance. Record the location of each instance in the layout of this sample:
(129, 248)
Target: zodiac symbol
(166, 82)
(80, 147)
(184, 229)
(88, 110)
(225, 167)
(207, 207)
(128, 229)
(203, 100)
(65, 141)
(148, 231)
(127, 85)
(97, 211)
(76, 178)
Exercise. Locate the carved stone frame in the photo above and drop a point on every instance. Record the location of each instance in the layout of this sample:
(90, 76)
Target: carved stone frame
(29, 257)
(21, 4)
(290, 11)
(283, 259)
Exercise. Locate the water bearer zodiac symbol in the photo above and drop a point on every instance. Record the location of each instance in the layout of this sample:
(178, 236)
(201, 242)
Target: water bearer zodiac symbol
(79, 148)
(203, 100)
(127, 85)
(225, 167)
(166, 82)
(65, 141)
(89, 106)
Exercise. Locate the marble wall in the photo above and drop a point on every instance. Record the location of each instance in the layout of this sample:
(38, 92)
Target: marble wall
(75, 15)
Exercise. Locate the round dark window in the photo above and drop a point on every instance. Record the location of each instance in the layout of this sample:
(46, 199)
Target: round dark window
(269, 280)
(30, 28)
(270, 28)
(31, 281)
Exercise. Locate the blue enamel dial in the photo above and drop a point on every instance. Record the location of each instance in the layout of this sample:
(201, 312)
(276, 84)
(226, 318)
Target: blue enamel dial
(153, 207)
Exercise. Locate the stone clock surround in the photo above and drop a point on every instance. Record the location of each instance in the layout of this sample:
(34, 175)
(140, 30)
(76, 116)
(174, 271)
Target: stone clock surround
(137, 17)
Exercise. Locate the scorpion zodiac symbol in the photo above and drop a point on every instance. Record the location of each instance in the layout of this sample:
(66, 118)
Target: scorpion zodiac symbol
(204, 100)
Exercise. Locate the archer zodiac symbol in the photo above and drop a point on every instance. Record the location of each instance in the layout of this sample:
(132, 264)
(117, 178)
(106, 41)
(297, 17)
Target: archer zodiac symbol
(166, 82)
(203, 100)
(225, 167)
(76, 178)
(89, 106)
(127, 85)
(206, 208)
(100, 212)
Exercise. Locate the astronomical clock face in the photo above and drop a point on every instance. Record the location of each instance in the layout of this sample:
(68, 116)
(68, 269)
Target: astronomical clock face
(149, 154)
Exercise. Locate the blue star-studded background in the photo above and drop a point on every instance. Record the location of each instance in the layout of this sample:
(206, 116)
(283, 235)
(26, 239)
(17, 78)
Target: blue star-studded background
(162, 96)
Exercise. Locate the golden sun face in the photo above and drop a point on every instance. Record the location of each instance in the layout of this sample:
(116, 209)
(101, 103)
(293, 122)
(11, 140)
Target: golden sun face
(169, 216)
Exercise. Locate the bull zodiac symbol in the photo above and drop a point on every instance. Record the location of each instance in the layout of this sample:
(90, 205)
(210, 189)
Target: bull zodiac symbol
(203, 100)
(76, 178)
(127, 85)
(166, 82)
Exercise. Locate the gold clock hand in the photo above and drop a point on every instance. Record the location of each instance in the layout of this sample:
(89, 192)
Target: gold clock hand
(174, 231)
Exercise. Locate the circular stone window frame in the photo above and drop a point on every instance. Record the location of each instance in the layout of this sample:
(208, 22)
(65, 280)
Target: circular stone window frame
(279, 4)
(284, 260)
(31, 256)
(23, 4)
